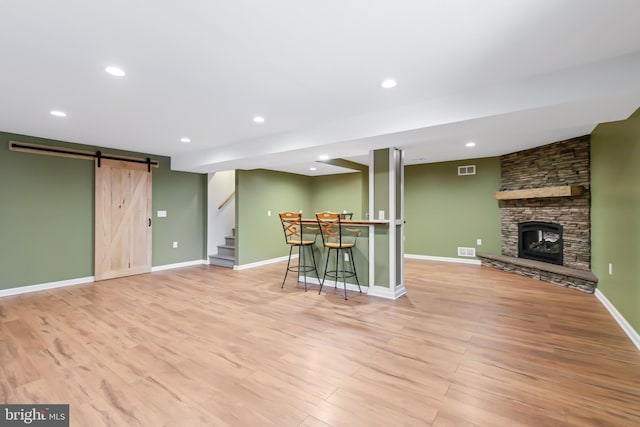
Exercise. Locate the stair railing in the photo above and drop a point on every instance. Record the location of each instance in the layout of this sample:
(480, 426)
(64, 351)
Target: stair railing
(227, 200)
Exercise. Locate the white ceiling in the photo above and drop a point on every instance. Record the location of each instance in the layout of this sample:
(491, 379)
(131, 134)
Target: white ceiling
(507, 74)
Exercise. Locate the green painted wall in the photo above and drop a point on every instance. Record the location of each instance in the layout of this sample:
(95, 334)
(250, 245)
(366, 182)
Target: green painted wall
(381, 193)
(381, 183)
(184, 196)
(47, 209)
(615, 214)
(260, 237)
(46, 217)
(444, 210)
(364, 179)
(459, 209)
(337, 193)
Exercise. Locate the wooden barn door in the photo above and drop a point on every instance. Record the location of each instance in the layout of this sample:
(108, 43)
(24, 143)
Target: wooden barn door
(122, 219)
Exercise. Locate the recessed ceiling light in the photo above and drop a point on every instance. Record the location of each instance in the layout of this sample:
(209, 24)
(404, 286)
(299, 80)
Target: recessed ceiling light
(388, 84)
(58, 113)
(470, 144)
(185, 140)
(313, 169)
(115, 71)
(258, 119)
(323, 157)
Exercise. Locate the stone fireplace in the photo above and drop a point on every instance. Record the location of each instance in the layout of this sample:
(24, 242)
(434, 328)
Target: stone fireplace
(544, 202)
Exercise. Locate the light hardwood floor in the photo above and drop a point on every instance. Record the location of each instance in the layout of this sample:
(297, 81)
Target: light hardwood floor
(208, 346)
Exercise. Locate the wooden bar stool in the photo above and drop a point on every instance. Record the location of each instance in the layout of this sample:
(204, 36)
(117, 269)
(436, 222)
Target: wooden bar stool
(294, 237)
(342, 240)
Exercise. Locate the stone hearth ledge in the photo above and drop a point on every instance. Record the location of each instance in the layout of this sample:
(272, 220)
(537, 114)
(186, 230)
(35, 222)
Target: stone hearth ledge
(582, 280)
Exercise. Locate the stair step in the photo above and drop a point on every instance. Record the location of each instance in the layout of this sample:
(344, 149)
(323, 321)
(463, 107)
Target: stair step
(222, 260)
(226, 250)
(230, 241)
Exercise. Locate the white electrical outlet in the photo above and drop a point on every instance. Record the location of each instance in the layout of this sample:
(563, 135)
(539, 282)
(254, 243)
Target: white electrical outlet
(479, 242)
(346, 257)
(175, 244)
(268, 213)
(381, 214)
(162, 214)
(610, 269)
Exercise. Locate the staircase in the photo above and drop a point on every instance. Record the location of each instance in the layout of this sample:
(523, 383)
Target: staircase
(226, 256)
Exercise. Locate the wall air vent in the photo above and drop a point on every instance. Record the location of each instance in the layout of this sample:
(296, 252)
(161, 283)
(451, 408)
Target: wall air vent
(471, 252)
(467, 170)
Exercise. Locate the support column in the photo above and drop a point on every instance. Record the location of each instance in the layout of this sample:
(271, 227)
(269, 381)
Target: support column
(386, 201)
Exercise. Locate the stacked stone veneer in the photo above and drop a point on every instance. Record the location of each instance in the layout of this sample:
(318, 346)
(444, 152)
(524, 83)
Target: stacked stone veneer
(563, 276)
(560, 163)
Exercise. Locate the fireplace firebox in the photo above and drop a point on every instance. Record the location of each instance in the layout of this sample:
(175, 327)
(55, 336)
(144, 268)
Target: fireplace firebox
(540, 241)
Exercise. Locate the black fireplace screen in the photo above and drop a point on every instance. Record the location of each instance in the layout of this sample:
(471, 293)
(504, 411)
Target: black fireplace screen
(540, 241)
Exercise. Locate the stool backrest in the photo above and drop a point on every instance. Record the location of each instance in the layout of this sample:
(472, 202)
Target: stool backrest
(292, 227)
(329, 223)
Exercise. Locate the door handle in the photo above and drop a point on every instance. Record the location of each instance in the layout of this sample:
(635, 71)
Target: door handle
(149, 222)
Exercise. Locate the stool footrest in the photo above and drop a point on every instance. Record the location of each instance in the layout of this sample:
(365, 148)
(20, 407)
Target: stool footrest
(302, 268)
(336, 274)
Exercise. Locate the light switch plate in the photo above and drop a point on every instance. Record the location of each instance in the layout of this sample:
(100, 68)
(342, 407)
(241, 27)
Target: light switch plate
(162, 214)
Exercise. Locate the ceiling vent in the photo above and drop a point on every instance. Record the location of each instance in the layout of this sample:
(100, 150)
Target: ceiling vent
(467, 170)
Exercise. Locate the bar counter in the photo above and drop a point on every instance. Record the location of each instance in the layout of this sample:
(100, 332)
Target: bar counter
(363, 252)
(352, 221)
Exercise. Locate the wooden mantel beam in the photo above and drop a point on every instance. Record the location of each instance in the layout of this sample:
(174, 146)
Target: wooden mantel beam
(543, 192)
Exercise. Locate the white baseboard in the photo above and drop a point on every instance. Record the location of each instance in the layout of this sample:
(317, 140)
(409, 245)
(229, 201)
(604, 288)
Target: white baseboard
(444, 259)
(83, 280)
(265, 262)
(388, 293)
(332, 284)
(626, 327)
(179, 265)
(45, 286)
(375, 291)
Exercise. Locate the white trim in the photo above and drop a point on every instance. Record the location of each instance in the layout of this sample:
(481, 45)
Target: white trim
(310, 280)
(45, 286)
(444, 259)
(374, 291)
(400, 221)
(83, 280)
(372, 254)
(264, 262)
(388, 293)
(332, 284)
(391, 205)
(179, 265)
(372, 231)
(371, 183)
(626, 327)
